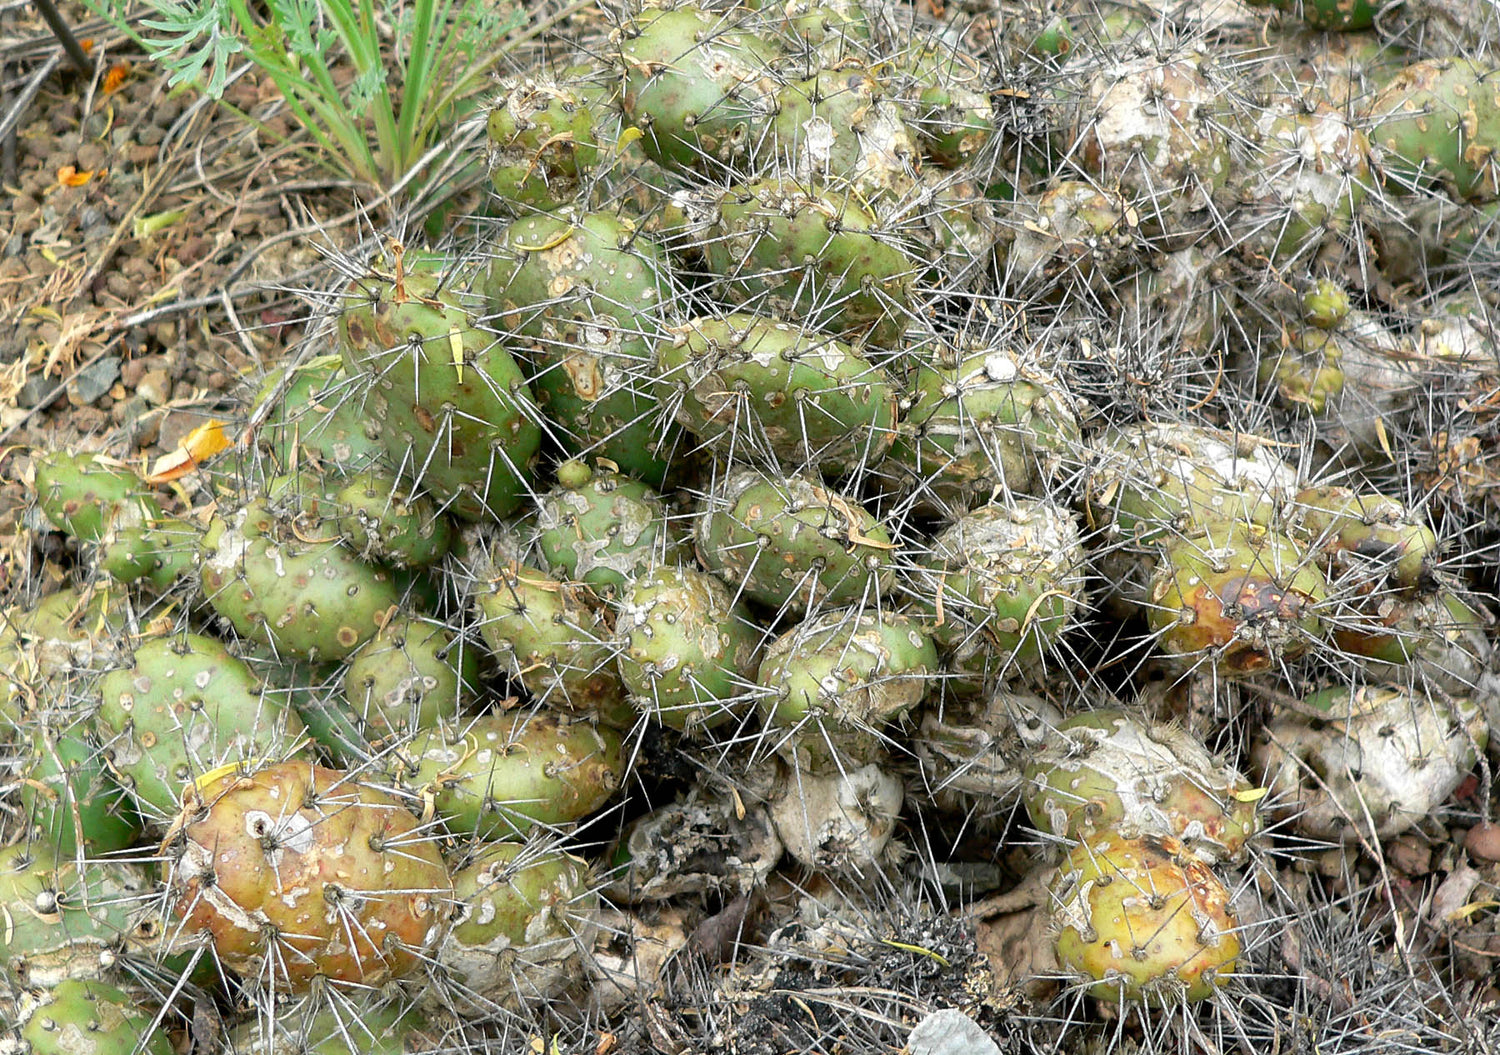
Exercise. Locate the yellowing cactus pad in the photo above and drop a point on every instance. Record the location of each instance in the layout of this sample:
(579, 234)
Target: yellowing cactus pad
(1143, 921)
(298, 871)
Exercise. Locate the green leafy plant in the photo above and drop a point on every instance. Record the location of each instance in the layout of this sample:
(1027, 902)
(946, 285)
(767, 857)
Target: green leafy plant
(374, 82)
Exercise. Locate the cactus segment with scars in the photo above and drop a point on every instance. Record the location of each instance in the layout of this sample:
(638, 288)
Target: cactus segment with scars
(296, 872)
(522, 915)
(500, 776)
(602, 529)
(307, 595)
(1107, 769)
(813, 256)
(1000, 588)
(687, 651)
(830, 686)
(978, 423)
(701, 88)
(791, 543)
(1138, 920)
(457, 417)
(549, 636)
(184, 707)
(580, 295)
(1237, 596)
(754, 388)
(87, 1017)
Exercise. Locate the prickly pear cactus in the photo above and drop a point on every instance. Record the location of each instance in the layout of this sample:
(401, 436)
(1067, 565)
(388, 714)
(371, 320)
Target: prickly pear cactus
(688, 652)
(754, 388)
(830, 686)
(522, 918)
(295, 872)
(83, 1017)
(1137, 920)
(184, 707)
(602, 529)
(1107, 769)
(499, 776)
(792, 544)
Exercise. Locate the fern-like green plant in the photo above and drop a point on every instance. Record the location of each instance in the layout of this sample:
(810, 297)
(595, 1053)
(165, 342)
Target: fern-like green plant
(374, 82)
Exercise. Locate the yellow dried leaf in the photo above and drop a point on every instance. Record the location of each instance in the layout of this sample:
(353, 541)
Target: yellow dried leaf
(1250, 794)
(196, 447)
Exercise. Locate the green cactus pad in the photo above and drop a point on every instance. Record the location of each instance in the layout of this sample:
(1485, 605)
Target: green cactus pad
(456, 414)
(700, 88)
(86, 494)
(381, 525)
(63, 922)
(602, 529)
(544, 140)
(73, 801)
(580, 294)
(988, 422)
(815, 257)
(1001, 586)
(83, 1017)
(522, 918)
(687, 651)
(408, 676)
(501, 775)
(184, 707)
(753, 387)
(550, 637)
(303, 594)
(830, 686)
(791, 543)
(1439, 120)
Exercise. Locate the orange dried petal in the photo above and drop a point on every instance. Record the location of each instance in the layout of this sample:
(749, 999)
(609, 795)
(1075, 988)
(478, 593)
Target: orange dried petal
(116, 77)
(69, 176)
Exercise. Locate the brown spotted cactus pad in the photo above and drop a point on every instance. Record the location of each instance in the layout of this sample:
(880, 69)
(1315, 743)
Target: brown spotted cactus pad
(1140, 921)
(1235, 609)
(1107, 770)
(1236, 597)
(183, 707)
(305, 594)
(296, 872)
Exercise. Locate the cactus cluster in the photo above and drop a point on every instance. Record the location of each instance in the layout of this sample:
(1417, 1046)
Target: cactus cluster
(1041, 458)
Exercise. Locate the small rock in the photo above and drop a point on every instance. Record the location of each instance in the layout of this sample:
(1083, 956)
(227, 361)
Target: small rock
(950, 1032)
(15, 245)
(155, 387)
(34, 391)
(1483, 841)
(1409, 855)
(132, 372)
(150, 135)
(91, 157)
(94, 381)
(175, 427)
